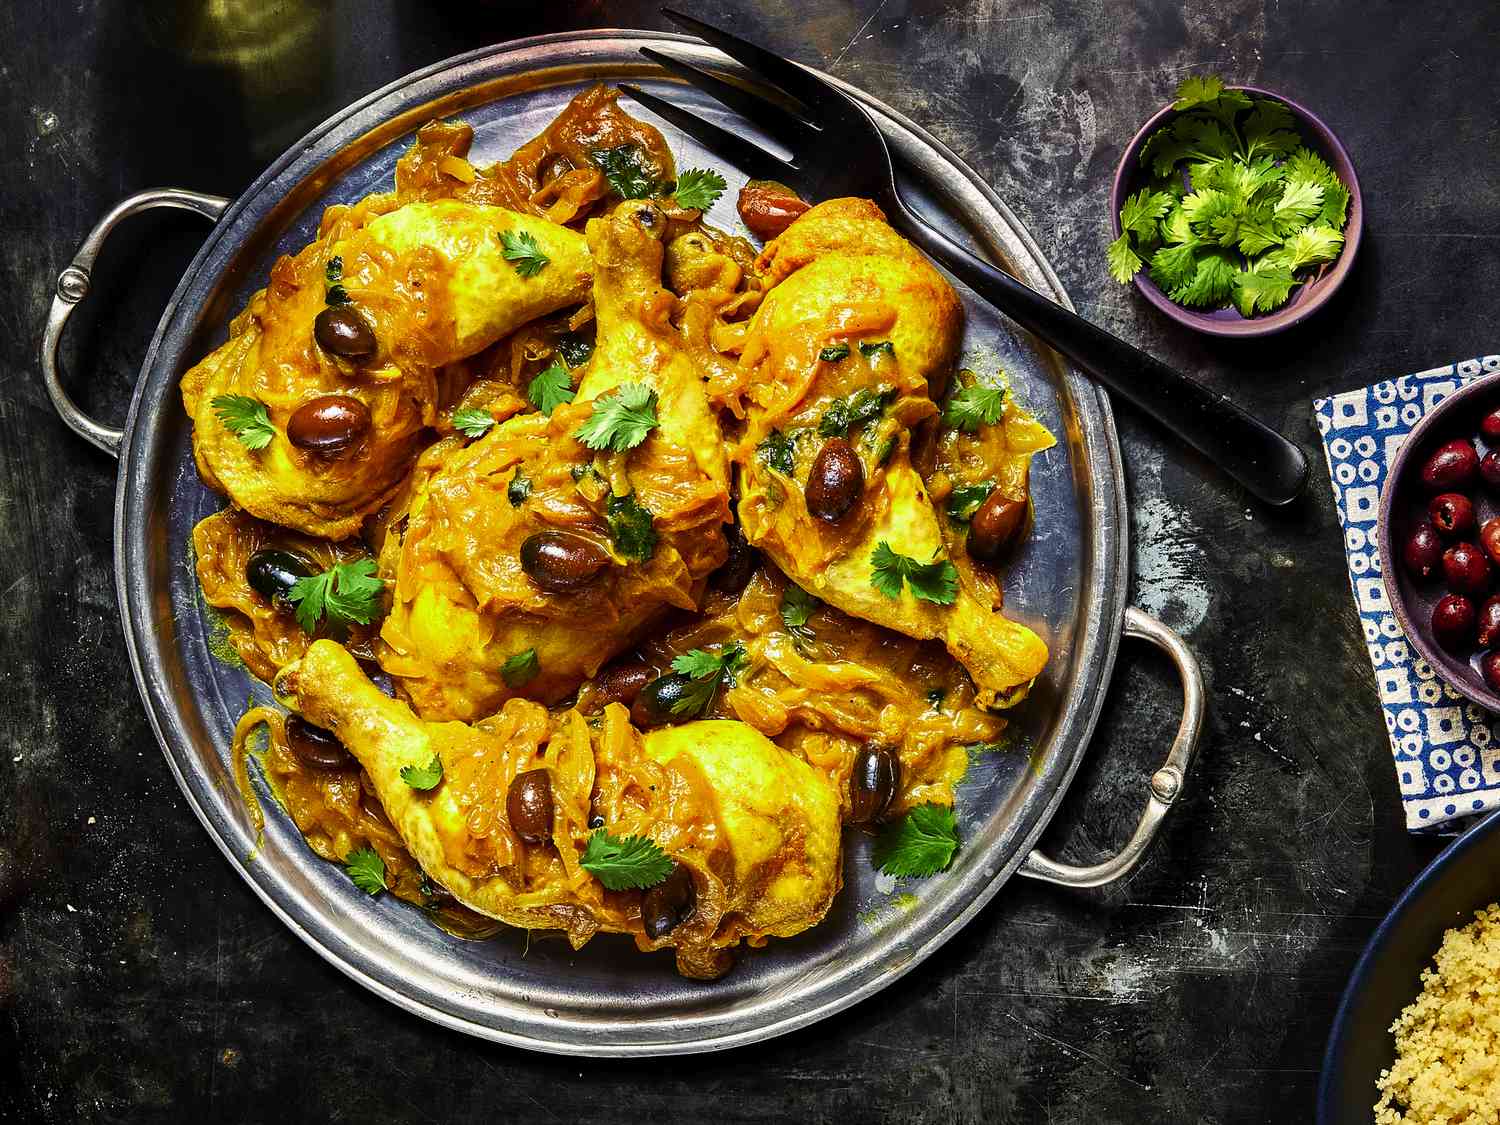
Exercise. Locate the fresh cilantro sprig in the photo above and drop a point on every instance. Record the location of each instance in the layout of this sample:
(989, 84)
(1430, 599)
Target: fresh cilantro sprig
(334, 292)
(844, 414)
(708, 672)
(973, 406)
(797, 608)
(777, 451)
(346, 594)
(965, 499)
(625, 169)
(1258, 210)
(471, 422)
(935, 581)
(621, 420)
(550, 388)
(246, 418)
(922, 843)
(424, 777)
(367, 869)
(698, 188)
(520, 669)
(631, 863)
(522, 252)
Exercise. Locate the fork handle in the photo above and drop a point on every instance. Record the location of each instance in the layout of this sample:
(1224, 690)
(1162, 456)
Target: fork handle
(1251, 452)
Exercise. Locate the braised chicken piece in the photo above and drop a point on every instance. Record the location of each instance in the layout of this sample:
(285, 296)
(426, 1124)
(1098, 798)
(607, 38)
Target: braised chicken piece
(752, 830)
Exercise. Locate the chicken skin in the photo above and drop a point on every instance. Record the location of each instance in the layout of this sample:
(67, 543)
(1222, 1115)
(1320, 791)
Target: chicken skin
(410, 288)
(850, 346)
(648, 516)
(756, 828)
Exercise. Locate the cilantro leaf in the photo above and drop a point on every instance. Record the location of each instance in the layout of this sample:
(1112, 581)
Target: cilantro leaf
(518, 489)
(922, 843)
(698, 188)
(973, 406)
(521, 251)
(1299, 204)
(1142, 210)
(1335, 211)
(935, 582)
(333, 270)
(797, 608)
(964, 500)
(775, 451)
(708, 671)
(520, 669)
(1268, 130)
(246, 418)
(472, 423)
(424, 777)
(1312, 244)
(844, 414)
(1263, 289)
(631, 528)
(871, 349)
(1124, 262)
(1194, 90)
(834, 352)
(632, 863)
(620, 420)
(574, 349)
(1212, 280)
(625, 169)
(367, 870)
(550, 388)
(1176, 227)
(1173, 266)
(1305, 164)
(346, 594)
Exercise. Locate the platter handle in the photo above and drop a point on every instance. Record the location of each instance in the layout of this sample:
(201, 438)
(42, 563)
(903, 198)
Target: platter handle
(73, 286)
(1166, 783)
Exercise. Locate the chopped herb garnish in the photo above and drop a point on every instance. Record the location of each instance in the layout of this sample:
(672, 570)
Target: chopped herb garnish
(520, 669)
(864, 405)
(346, 594)
(518, 489)
(333, 276)
(620, 420)
(367, 870)
(632, 863)
(697, 188)
(574, 349)
(879, 347)
(550, 388)
(245, 418)
(935, 582)
(521, 251)
(797, 607)
(973, 406)
(775, 452)
(922, 843)
(887, 447)
(424, 777)
(708, 672)
(964, 500)
(472, 423)
(834, 352)
(625, 170)
(630, 527)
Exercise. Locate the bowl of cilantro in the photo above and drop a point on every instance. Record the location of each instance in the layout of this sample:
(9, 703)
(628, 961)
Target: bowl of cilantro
(1235, 211)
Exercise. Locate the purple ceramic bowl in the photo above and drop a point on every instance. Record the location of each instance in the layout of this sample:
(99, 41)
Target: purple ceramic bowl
(1403, 505)
(1130, 177)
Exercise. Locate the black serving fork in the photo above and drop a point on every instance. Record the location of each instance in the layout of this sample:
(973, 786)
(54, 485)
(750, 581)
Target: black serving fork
(837, 150)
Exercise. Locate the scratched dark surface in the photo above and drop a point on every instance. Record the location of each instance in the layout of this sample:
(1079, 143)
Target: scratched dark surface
(141, 981)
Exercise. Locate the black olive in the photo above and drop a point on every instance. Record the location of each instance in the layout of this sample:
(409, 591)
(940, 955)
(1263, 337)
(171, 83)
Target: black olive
(328, 424)
(873, 783)
(316, 748)
(596, 821)
(836, 481)
(528, 806)
(666, 905)
(341, 331)
(621, 683)
(739, 565)
(272, 572)
(994, 526)
(653, 706)
(561, 562)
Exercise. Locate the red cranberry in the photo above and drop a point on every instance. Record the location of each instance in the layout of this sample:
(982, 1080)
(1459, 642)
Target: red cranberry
(1453, 622)
(1489, 470)
(1424, 551)
(1465, 569)
(1489, 426)
(1489, 668)
(1451, 466)
(1489, 622)
(1489, 539)
(1452, 514)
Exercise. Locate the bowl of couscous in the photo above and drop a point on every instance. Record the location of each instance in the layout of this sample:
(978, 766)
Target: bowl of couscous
(1417, 1034)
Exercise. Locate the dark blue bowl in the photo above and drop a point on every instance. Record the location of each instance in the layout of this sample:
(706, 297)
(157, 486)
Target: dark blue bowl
(1464, 878)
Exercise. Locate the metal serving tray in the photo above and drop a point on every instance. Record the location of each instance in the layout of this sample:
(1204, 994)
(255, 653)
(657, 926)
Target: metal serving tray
(608, 999)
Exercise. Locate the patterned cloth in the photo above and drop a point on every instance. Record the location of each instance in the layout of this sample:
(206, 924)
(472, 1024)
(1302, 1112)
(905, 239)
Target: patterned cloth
(1447, 749)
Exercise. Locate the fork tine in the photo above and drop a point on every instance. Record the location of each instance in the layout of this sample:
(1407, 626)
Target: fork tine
(792, 130)
(750, 158)
(804, 87)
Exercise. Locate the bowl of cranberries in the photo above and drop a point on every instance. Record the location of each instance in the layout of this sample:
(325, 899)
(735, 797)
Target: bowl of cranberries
(1439, 540)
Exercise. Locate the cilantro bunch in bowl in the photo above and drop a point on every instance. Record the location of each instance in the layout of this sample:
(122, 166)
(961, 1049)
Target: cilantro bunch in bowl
(1237, 209)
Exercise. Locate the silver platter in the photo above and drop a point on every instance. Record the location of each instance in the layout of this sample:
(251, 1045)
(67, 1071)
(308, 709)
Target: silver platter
(609, 999)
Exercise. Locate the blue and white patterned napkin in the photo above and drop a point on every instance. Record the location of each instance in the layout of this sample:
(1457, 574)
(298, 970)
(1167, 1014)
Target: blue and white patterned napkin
(1447, 749)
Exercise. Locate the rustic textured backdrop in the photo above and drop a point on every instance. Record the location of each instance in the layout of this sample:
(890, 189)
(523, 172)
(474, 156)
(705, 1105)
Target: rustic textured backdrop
(140, 980)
